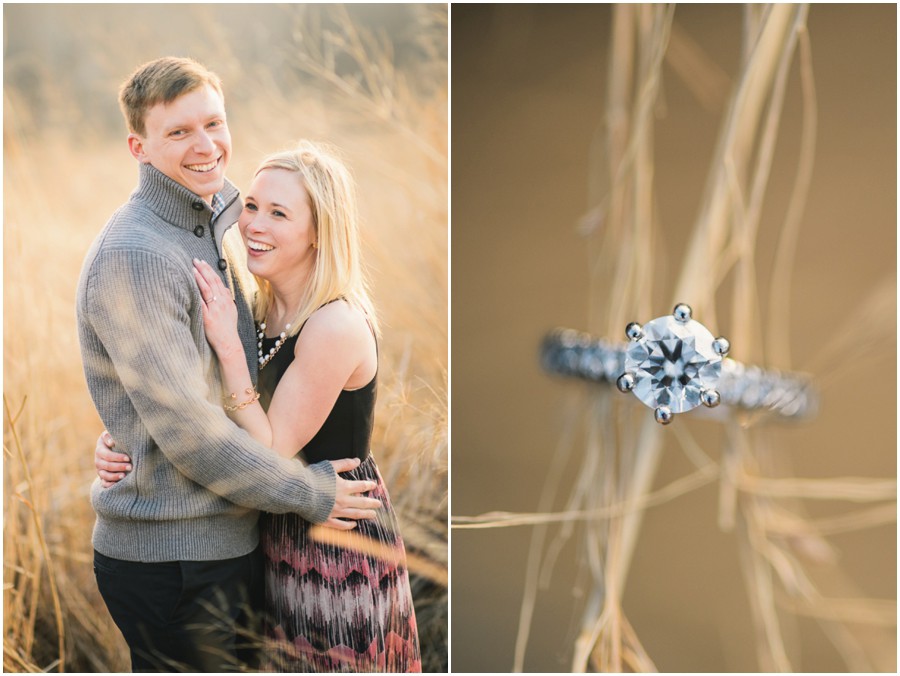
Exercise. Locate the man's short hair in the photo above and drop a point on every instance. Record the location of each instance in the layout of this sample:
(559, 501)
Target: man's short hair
(161, 81)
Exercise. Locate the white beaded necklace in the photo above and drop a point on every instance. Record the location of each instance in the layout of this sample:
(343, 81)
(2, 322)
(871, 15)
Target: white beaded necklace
(261, 334)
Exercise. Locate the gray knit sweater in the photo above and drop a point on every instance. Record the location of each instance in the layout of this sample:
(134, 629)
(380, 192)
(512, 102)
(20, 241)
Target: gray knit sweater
(198, 479)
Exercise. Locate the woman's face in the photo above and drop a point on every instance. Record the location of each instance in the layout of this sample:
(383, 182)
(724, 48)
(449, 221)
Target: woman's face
(277, 226)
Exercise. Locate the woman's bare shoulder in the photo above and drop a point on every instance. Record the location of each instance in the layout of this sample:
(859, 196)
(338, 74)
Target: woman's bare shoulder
(339, 323)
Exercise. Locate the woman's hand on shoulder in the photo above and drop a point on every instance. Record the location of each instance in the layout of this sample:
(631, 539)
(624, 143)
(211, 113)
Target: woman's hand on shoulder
(219, 312)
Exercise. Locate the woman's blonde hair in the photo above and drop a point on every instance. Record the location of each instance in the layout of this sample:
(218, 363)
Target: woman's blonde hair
(338, 270)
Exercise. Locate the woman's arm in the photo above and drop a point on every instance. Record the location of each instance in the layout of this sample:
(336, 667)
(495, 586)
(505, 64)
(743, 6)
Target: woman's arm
(336, 350)
(220, 322)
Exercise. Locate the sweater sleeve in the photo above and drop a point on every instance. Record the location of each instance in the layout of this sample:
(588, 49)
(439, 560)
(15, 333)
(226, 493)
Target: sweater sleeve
(139, 305)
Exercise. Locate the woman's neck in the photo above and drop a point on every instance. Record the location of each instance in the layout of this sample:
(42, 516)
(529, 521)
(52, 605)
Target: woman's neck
(287, 295)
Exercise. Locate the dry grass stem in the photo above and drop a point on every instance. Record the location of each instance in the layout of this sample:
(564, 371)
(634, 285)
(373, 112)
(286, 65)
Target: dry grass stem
(790, 525)
(779, 302)
(533, 566)
(38, 534)
(703, 76)
(853, 489)
(686, 484)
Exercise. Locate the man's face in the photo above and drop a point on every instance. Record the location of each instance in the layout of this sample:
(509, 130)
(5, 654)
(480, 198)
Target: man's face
(188, 140)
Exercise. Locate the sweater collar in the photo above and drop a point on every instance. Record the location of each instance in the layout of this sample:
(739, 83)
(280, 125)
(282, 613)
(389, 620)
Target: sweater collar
(177, 205)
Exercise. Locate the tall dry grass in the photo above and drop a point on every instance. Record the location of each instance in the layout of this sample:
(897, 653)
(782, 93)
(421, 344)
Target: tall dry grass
(790, 567)
(374, 86)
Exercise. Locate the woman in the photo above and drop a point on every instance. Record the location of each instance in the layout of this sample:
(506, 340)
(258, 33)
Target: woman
(331, 605)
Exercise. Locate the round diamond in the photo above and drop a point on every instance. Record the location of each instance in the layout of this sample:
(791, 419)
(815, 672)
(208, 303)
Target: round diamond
(673, 363)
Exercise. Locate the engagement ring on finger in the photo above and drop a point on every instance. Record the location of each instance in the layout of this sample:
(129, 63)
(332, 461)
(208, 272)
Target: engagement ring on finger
(674, 364)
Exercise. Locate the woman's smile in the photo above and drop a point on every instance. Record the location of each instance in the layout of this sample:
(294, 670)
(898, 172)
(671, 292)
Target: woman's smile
(258, 248)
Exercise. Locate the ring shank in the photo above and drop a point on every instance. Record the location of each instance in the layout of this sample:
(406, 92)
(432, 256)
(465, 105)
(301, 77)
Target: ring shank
(576, 354)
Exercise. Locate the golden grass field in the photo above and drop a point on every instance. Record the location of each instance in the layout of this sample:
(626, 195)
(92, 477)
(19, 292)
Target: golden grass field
(370, 80)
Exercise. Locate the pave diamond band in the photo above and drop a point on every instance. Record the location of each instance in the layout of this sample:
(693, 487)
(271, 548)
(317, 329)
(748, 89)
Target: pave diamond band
(673, 364)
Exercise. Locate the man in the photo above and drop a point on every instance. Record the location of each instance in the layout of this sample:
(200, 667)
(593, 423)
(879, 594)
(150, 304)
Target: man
(175, 540)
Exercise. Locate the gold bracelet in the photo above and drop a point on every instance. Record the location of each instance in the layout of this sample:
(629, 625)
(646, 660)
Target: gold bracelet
(254, 395)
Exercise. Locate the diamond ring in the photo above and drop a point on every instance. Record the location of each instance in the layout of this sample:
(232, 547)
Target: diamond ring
(674, 364)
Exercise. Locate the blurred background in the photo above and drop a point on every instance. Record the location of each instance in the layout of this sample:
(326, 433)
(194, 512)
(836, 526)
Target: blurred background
(369, 79)
(529, 83)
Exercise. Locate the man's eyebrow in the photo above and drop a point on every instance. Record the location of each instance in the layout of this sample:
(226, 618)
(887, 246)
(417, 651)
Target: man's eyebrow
(179, 124)
(175, 125)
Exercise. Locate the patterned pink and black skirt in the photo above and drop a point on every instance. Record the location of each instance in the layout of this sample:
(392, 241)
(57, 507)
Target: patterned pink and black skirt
(339, 601)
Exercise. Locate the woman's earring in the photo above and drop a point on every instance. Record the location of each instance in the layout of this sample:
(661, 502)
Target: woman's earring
(315, 245)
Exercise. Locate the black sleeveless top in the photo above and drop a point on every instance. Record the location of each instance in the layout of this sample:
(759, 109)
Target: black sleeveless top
(347, 430)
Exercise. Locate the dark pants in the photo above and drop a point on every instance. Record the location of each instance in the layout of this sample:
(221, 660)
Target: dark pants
(196, 616)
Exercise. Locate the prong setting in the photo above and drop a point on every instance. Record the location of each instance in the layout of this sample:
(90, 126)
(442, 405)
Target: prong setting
(672, 363)
(710, 398)
(682, 313)
(625, 382)
(634, 331)
(721, 346)
(663, 415)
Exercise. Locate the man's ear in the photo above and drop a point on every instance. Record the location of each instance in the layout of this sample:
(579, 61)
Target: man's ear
(136, 146)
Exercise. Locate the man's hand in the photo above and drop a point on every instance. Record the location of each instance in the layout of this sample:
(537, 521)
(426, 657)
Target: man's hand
(111, 465)
(349, 506)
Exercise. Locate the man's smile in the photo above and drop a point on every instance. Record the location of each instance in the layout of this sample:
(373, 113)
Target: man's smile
(203, 167)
